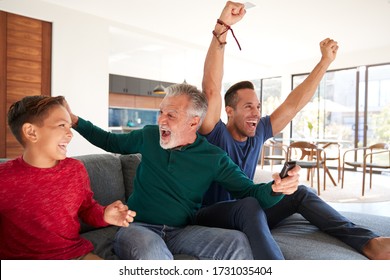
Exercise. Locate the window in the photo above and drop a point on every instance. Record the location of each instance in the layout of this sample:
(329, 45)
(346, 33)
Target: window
(132, 118)
(350, 105)
(331, 112)
(378, 104)
(270, 94)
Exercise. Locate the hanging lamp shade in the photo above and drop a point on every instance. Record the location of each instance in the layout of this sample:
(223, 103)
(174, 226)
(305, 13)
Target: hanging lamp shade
(159, 89)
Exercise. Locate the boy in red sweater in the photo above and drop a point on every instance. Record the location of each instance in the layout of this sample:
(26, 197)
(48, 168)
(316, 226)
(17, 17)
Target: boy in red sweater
(43, 193)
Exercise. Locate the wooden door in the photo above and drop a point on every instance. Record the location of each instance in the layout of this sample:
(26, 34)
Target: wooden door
(25, 51)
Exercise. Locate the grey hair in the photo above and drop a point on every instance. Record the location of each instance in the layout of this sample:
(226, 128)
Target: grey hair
(197, 98)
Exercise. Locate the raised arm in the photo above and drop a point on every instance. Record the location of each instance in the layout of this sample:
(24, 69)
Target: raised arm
(213, 66)
(303, 93)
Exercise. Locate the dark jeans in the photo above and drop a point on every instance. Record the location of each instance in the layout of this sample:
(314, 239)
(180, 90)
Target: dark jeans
(247, 216)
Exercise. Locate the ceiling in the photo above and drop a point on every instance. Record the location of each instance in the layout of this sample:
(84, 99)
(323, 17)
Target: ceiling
(171, 37)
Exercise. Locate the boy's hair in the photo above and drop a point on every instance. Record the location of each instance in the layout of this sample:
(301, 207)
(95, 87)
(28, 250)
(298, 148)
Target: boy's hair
(30, 109)
(231, 93)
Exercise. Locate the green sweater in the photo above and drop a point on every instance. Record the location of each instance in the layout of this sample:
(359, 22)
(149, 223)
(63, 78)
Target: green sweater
(169, 184)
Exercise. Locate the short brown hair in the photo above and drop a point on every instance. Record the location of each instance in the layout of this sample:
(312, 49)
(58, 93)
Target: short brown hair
(231, 93)
(30, 109)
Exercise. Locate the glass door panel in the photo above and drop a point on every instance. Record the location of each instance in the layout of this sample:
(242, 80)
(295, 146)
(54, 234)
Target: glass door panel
(330, 115)
(378, 104)
(270, 94)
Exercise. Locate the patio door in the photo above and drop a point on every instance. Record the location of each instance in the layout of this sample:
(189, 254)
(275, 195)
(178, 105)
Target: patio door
(350, 105)
(376, 104)
(331, 114)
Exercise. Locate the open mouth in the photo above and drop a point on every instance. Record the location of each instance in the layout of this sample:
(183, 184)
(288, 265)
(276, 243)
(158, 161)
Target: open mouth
(165, 133)
(63, 147)
(251, 124)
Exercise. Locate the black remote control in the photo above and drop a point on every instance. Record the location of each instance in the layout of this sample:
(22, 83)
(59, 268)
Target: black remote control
(288, 165)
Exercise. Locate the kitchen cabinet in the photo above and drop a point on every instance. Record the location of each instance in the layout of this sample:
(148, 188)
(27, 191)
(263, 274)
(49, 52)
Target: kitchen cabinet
(118, 84)
(145, 87)
(134, 86)
(124, 84)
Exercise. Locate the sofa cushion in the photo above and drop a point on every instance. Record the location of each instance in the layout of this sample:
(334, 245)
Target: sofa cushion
(102, 240)
(129, 167)
(105, 174)
(300, 240)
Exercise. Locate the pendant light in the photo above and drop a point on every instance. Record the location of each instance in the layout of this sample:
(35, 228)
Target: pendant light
(159, 89)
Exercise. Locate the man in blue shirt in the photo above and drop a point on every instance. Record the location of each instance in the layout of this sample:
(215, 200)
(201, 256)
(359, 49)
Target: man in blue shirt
(242, 138)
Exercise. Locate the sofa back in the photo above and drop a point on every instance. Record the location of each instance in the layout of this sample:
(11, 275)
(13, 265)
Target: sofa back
(129, 167)
(105, 175)
(111, 177)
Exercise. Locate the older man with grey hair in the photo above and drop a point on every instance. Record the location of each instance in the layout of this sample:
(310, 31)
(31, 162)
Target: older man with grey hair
(178, 166)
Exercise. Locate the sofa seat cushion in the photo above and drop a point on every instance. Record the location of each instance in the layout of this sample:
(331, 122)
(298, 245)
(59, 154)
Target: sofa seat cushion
(299, 240)
(102, 240)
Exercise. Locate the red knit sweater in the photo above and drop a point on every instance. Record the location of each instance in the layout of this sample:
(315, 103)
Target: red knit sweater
(40, 210)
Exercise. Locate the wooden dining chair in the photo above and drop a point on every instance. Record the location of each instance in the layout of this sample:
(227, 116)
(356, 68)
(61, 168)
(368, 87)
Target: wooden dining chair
(332, 150)
(309, 156)
(376, 156)
(273, 151)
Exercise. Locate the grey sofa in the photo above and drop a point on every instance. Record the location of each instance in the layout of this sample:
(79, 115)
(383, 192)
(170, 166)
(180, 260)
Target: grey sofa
(111, 179)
